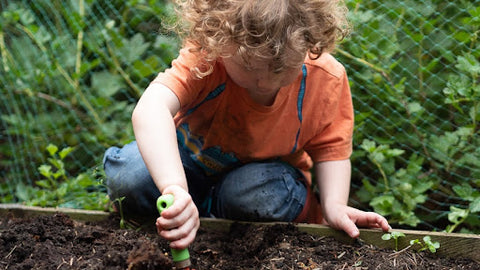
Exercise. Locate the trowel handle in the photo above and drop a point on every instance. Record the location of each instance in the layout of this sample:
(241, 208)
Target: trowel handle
(164, 202)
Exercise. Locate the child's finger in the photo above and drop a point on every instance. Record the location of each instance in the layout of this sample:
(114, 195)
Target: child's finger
(348, 226)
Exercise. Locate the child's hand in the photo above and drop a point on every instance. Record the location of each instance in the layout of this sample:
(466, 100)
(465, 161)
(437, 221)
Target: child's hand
(347, 218)
(179, 223)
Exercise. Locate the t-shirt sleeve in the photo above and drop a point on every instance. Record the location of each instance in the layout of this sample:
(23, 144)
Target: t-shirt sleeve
(180, 79)
(333, 138)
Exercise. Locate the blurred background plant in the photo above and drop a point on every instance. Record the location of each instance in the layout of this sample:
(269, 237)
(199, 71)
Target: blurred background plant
(71, 72)
(414, 73)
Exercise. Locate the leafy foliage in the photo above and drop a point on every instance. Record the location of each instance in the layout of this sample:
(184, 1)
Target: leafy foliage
(400, 190)
(414, 77)
(57, 189)
(71, 73)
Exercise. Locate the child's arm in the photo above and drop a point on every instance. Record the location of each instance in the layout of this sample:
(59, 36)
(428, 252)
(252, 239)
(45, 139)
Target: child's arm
(333, 178)
(156, 138)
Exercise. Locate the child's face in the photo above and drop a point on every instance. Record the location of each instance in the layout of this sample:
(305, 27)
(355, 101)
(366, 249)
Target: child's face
(258, 79)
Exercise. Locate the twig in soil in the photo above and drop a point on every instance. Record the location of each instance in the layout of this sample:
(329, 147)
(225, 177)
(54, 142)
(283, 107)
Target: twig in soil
(11, 251)
(413, 261)
(63, 262)
(396, 253)
(274, 260)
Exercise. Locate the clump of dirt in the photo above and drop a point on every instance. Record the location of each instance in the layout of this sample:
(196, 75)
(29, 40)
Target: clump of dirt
(57, 242)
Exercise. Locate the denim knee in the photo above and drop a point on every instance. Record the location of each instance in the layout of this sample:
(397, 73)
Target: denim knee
(128, 180)
(261, 192)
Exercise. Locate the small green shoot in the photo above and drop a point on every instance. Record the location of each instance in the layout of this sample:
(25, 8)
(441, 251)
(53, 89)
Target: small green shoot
(427, 244)
(118, 202)
(393, 235)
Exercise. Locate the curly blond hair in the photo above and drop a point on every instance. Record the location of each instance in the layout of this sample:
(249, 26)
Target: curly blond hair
(279, 32)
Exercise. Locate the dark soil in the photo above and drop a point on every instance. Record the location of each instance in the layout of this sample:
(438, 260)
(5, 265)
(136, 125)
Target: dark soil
(57, 242)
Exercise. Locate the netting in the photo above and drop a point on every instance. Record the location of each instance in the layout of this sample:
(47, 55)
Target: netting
(72, 71)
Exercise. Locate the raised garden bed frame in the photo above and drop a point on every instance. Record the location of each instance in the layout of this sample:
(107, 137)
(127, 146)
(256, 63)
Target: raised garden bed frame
(451, 244)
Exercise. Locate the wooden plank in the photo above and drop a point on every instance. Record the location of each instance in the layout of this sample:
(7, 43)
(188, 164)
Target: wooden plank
(451, 244)
(22, 211)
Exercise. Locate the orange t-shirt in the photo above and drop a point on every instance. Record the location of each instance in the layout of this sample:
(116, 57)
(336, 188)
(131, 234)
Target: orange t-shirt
(222, 127)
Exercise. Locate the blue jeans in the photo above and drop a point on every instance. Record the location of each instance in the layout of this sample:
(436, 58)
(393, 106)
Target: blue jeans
(260, 191)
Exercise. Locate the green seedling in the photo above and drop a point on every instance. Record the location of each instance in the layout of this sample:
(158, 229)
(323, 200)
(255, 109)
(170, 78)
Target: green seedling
(395, 236)
(120, 211)
(427, 244)
(181, 257)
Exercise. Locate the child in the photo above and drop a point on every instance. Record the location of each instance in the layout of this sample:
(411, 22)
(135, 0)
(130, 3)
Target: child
(250, 106)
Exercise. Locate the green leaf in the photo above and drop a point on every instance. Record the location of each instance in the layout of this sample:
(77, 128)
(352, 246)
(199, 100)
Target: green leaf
(58, 174)
(27, 16)
(464, 191)
(405, 187)
(475, 206)
(378, 157)
(40, 33)
(387, 236)
(83, 180)
(45, 170)
(133, 49)
(22, 192)
(368, 146)
(52, 149)
(409, 218)
(110, 24)
(432, 246)
(65, 151)
(383, 204)
(415, 241)
(368, 186)
(56, 162)
(62, 191)
(469, 64)
(457, 214)
(395, 152)
(107, 84)
(43, 184)
(146, 67)
(397, 235)
(415, 107)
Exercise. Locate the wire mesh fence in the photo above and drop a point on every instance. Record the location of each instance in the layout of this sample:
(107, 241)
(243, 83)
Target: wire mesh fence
(71, 72)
